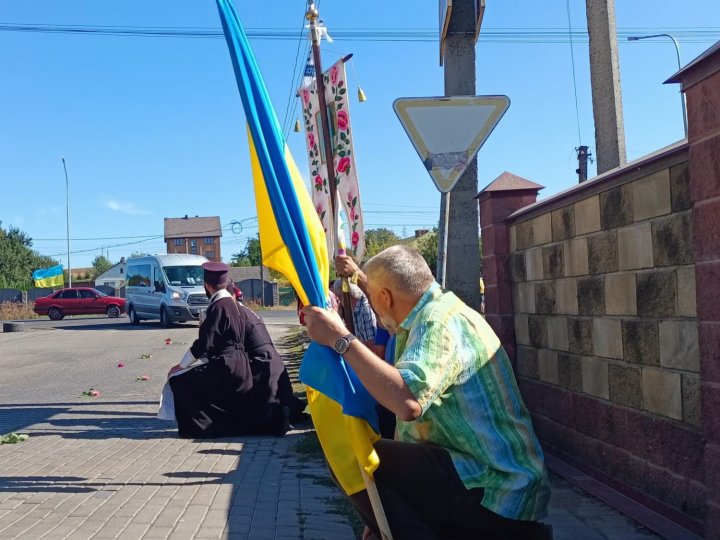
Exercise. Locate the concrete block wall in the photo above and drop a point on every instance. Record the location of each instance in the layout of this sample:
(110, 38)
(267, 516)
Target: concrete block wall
(607, 298)
(606, 331)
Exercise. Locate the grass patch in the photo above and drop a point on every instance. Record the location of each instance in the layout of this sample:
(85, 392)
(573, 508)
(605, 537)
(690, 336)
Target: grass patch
(343, 507)
(292, 348)
(308, 445)
(13, 311)
(324, 481)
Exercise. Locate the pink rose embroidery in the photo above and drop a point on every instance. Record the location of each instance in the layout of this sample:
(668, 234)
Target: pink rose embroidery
(355, 238)
(342, 120)
(352, 214)
(319, 209)
(318, 181)
(334, 75)
(311, 140)
(343, 164)
(306, 96)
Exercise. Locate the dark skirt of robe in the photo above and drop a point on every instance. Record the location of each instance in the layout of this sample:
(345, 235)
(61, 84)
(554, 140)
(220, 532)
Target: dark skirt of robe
(220, 398)
(271, 381)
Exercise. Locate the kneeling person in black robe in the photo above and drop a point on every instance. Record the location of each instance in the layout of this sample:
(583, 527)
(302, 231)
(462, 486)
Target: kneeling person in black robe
(217, 399)
(271, 381)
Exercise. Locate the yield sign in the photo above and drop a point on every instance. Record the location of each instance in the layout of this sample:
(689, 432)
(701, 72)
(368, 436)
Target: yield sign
(447, 132)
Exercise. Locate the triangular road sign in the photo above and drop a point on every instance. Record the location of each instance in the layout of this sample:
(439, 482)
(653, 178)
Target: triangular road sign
(447, 132)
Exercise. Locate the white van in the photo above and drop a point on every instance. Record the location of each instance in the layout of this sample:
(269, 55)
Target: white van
(168, 288)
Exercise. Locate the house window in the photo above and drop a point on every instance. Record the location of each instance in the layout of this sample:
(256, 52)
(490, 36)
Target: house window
(179, 242)
(193, 243)
(193, 250)
(210, 255)
(209, 240)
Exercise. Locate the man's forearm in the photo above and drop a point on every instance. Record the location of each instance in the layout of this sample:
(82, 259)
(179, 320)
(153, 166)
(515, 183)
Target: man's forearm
(383, 381)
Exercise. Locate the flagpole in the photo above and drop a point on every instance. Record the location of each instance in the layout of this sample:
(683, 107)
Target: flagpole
(312, 17)
(67, 222)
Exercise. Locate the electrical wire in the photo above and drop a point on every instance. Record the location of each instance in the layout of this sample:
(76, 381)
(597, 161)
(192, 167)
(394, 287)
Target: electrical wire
(572, 61)
(148, 239)
(292, 78)
(427, 35)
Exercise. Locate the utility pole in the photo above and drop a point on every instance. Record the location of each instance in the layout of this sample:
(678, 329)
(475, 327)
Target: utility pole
(461, 239)
(605, 79)
(583, 154)
(315, 36)
(67, 222)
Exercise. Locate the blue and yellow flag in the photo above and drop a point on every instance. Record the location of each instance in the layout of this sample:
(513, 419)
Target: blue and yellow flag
(293, 243)
(49, 277)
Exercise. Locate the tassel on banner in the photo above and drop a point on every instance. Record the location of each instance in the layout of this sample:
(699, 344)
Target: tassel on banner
(361, 95)
(297, 126)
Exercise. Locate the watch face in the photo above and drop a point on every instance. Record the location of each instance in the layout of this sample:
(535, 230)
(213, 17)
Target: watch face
(341, 345)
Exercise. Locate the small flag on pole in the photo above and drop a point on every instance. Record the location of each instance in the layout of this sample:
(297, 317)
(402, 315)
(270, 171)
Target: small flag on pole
(309, 74)
(49, 277)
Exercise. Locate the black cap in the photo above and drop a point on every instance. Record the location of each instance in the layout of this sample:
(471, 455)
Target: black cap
(215, 273)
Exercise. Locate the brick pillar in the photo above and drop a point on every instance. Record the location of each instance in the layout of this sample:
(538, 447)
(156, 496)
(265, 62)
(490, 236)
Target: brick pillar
(701, 84)
(505, 195)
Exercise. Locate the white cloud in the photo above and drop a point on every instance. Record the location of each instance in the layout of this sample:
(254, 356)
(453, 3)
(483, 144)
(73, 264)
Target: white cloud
(125, 207)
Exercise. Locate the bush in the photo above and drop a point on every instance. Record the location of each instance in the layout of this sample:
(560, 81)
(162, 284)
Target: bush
(11, 311)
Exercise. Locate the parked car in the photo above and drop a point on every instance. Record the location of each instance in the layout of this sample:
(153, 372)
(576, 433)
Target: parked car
(80, 301)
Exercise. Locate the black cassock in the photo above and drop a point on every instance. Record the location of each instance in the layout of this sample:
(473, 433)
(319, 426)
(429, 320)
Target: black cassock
(222, 398)
(271, 381)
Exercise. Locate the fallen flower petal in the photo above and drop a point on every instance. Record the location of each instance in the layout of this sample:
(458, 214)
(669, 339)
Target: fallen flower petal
(121, 364)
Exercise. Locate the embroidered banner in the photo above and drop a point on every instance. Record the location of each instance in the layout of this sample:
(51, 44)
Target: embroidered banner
(336, 96)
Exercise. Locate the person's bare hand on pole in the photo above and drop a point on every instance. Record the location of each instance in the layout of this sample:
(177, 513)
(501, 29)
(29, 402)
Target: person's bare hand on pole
(345, 266)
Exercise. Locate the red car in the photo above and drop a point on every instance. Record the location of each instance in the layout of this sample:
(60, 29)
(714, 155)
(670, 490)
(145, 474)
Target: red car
(80, 301)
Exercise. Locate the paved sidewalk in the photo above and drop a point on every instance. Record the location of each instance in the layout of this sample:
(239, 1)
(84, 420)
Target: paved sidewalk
(107, 468)
(111, 470)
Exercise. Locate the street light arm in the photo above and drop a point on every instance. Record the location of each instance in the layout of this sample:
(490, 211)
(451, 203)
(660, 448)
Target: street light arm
(679, 63)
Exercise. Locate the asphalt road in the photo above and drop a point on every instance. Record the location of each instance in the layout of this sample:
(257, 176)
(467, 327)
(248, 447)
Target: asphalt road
(55, 361)
(282, 317)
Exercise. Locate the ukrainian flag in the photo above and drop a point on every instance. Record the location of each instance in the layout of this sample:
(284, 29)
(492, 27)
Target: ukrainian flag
(293, 243)
(49, 277)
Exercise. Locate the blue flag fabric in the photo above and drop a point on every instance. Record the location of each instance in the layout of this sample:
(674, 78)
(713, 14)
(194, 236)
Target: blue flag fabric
(283, 211)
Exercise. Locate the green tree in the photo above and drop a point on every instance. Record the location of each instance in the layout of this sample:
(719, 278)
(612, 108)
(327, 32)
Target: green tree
(427, 245)
(378, 239)
(101, 264)
(138, 254)
(18, 260)
(250, 256)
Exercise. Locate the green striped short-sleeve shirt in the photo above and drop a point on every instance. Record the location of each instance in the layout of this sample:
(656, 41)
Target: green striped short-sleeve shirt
(454, 365)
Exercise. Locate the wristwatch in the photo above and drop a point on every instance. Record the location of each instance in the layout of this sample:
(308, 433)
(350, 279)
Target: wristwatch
(343, 344)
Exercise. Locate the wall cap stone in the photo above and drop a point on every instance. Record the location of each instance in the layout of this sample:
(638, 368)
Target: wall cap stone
(665, 157)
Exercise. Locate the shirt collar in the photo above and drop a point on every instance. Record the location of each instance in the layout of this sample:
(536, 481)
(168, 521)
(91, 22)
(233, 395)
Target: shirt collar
(222, 293)
(432, 292)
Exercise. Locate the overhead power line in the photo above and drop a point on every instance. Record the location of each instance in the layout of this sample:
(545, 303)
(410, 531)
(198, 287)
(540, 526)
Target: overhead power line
(500, 35)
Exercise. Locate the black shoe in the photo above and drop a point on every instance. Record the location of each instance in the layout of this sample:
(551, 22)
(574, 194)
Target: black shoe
(280, 420)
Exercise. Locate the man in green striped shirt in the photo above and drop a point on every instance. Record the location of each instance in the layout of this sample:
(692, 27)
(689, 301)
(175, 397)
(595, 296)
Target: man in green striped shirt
(465, 462)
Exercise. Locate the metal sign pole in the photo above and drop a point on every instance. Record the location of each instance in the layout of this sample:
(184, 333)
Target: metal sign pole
(442, 261)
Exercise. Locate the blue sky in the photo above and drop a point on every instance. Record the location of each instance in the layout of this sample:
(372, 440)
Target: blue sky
(153, 127)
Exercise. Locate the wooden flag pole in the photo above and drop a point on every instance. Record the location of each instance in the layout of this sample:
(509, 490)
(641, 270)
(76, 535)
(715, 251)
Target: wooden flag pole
(312, 17)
